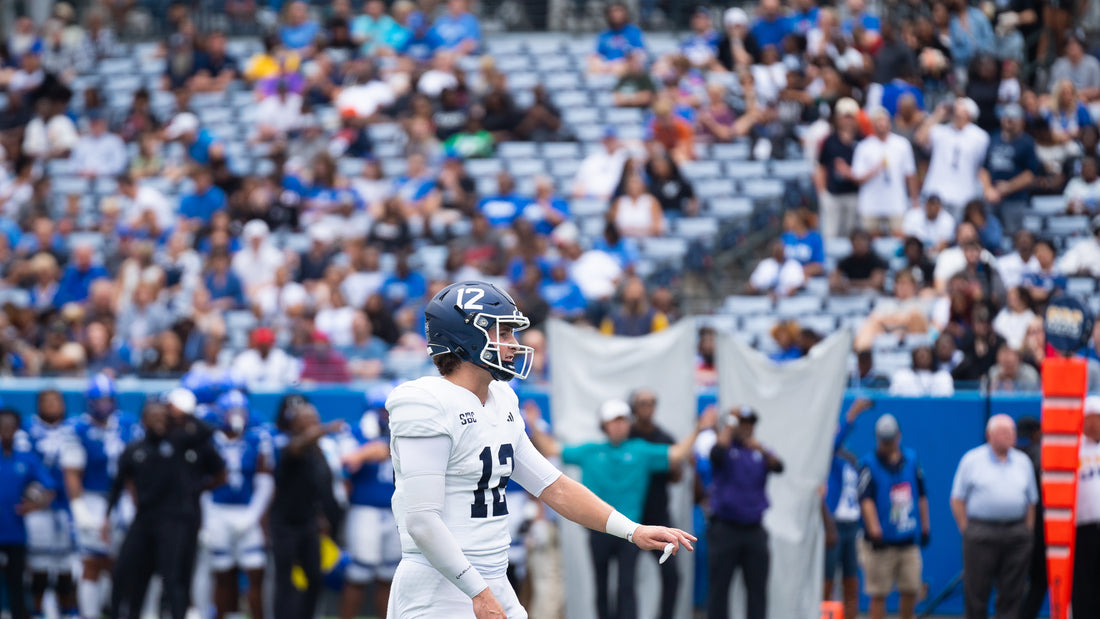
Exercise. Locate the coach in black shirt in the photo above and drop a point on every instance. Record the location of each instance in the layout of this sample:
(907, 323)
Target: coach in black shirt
(168, 469)
(643, 404)
(303, 487)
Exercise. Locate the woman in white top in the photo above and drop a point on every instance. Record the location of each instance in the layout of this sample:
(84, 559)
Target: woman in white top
(637, 213)
(1012, 321)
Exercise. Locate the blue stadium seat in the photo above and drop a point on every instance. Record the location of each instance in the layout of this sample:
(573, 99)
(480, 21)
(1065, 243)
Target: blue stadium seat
(623, 116)
(738, 151)
(562, 81)
(564, 168)
(64, 185)
(698, 170)
(580, 207)
(349, 166)
(817, 286)
(798, 306)
(580, 115)
(393, 167)
(1048, 205)
(747, 170)
(763, 189)
(746, 305)
(570, 98)
(664, 249)
(695, 227)
(728, 207)
(887, 246)
(526, 167)
(759, 325)
(795, 169)
(1083, 286)
(847, 306)
(561, 150)
(715, 188)
(820, 323)
(1070, 225)
(484, 167)
(513, 150)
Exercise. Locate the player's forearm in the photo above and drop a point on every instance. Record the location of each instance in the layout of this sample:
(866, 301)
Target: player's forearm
(74, 487)
(577, 503)
(925, 520)
(438, 545)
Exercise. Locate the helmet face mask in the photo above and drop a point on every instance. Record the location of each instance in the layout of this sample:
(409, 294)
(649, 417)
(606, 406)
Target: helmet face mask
(466, 320)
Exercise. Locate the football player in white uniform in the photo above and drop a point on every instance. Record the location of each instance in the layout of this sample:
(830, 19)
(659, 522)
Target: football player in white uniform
(456, 440)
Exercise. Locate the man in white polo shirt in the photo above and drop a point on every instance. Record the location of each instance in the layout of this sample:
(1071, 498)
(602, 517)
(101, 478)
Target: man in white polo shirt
(958, 151)
(1086, 560)
(884, 168)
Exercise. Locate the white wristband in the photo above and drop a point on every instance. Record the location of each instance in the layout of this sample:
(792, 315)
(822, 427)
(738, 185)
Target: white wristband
(621, 526)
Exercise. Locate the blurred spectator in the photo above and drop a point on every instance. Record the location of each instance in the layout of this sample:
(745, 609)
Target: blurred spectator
(634, 314)
(456, 30)
(933, 225)
(255, 264)
(665, 182)
(861, 270)
(262, 364)
(225, 288)
(1083, 258)
(770, 26)
(860, 20)
(953, 260)
(299, 32)
(635, 87)
(837, 192)
(970, 33)
(1080, 68)
(562, 294)
(1046, 281)
(51, 133)
(376, 32)
(802, 242)
(1010, 168)
(617, 43)
(670, 131)
(958, 149)
(717, 121)
(99, 152)
(1009, 375)
(1015, 266)
(777, 274)
(1082, 193)
(906, 313)
(600, 172)
(979, 345)
(138, 200)
(1012, 321)
(201, 145)
(706, 374)
(278, 115)
(78, 276)
(149, 160)
(637, 213)
(214, 68)
(505, 206)
(205, 199)
(989, 228)
(917, 263)
(547, 209)
(884, 168)
(1066, 115)
(471, 141)
(366, 354)
(867, 377)
(738, 46)
(923, 379)
(404, 285)
(323, 364)
(786, 334)
(700, 46)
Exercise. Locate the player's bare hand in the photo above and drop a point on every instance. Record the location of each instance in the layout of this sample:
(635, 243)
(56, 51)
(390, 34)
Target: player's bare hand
(105, 532)
(486, 606)
(655, 538)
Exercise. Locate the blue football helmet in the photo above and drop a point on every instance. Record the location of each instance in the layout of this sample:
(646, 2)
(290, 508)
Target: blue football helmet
(101, 396)
(465, 319)
(232, 407)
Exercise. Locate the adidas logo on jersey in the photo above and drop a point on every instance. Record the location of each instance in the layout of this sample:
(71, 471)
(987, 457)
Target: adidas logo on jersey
(510, 417)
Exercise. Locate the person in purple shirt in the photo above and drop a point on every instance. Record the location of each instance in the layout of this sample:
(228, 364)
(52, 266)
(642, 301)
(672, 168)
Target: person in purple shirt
(456, 30)
(738, 501)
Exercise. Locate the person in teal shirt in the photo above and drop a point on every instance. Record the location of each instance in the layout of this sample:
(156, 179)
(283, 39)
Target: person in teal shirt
(375, 31)
(617, 471)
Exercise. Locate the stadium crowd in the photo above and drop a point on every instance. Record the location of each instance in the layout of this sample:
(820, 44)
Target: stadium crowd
(146, 233)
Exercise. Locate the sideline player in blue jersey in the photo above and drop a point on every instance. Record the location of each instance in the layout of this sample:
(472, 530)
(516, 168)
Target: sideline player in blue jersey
(232, 520)
(370, 531)
(25, 486)
(49, 532)
(89, 467)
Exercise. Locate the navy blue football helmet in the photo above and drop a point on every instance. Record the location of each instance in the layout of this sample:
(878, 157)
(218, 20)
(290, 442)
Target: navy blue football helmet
(465, 319)
(101, 396)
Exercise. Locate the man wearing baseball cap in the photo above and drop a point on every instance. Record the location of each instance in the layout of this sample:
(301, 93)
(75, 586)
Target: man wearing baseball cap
(738, 502)
(1086, 560)
(895, 520)
(618, 471)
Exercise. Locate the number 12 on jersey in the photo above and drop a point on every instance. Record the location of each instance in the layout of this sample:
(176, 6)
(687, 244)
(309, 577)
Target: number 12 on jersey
(480, 509)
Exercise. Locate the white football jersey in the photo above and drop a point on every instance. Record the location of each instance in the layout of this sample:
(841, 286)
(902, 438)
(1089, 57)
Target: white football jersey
(483, 443)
